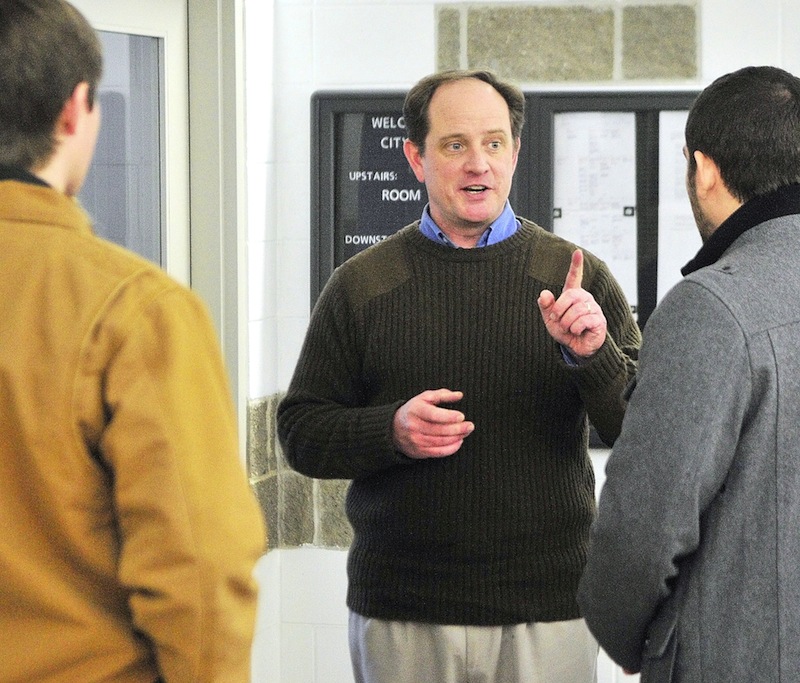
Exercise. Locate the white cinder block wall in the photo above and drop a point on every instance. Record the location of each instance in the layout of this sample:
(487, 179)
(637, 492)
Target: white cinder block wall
(294, 47)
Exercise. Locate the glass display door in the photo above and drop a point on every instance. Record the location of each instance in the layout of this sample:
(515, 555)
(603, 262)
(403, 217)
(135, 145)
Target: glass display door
(137, 189)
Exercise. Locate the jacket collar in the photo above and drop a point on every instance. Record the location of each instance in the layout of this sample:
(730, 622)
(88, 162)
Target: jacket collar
(784, 201)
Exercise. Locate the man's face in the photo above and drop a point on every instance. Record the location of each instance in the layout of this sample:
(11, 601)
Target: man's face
(701, 219)
(470, 156)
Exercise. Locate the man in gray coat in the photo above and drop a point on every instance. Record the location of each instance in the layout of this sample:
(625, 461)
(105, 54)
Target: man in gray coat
(694, 561)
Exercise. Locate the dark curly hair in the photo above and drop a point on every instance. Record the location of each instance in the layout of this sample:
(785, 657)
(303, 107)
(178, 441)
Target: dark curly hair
(748, 123)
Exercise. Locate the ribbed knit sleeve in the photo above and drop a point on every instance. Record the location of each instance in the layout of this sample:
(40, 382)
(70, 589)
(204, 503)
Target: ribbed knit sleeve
(602, 381)
(497, 532)
(326, 426)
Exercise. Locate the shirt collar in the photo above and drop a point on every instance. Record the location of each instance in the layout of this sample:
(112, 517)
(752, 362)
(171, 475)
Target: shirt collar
(784, 201)
(505, 225)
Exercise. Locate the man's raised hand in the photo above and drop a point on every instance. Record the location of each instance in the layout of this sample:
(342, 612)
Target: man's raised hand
(574, 320)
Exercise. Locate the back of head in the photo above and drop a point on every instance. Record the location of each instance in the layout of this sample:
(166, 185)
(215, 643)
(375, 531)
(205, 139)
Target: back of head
(46, 48)
(418, 99)
(748, 122)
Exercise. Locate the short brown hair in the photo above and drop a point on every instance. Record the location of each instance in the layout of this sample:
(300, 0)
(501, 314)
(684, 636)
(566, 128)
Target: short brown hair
(47, 47)
(418, 100)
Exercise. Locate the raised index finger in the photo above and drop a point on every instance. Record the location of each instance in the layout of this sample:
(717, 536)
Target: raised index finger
(575, 275)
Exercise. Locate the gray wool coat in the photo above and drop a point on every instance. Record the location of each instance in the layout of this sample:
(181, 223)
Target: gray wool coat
(694, 563)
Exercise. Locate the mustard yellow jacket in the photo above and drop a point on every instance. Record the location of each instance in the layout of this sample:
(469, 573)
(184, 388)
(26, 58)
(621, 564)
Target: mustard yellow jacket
(128, 533)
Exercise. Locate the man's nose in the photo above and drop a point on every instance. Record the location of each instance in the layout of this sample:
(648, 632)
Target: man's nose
(477, 161)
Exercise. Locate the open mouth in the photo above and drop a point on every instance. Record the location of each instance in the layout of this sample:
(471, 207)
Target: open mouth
(475, 189)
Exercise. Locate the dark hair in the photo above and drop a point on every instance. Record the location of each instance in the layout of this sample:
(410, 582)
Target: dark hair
(748, 123)
(418, 99)
(47, 48)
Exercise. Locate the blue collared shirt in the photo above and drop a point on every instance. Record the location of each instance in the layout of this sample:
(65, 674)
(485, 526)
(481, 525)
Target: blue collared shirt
(504, 226)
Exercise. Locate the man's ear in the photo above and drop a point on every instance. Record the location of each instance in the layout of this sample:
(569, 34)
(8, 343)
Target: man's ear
(517, 147)
(74, 108)
(414, 159)
(707, 176)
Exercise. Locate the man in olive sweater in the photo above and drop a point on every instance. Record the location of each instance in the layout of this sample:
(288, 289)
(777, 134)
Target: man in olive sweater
(458, 407)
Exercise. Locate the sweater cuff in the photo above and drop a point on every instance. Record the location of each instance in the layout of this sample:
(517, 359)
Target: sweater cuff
(603, 367)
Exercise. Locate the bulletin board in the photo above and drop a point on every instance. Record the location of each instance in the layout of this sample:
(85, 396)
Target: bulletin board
(362, 188)
(606, 171)
(603, 169)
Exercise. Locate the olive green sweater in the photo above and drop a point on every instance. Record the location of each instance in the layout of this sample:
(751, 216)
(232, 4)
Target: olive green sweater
(497, 533)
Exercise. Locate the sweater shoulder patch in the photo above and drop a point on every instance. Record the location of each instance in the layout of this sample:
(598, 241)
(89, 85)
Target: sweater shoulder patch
(375, 271)
(553, 269)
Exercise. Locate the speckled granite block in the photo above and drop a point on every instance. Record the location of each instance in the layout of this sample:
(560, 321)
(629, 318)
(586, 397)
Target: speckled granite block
(296, 516)
(266, 493)
(262, 443)
(334, 530)
(448, 55)
(659, 42)
(286, 497)
(530, 44)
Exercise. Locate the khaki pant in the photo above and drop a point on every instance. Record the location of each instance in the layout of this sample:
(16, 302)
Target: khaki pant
(410, 652)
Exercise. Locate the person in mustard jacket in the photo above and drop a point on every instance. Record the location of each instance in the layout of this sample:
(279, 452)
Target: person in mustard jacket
(128, 533)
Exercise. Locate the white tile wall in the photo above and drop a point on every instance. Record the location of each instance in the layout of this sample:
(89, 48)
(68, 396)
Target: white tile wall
(263, 273)
(260, 200)
(293, 219)
(263, 368)
(293, 129)
(330, 663)
(294, 43)
(394, 42)
(305, 614)
(261, 136)
(741, 33)
(298, 654)
(266, 656)
(294, 280)
(262, 249)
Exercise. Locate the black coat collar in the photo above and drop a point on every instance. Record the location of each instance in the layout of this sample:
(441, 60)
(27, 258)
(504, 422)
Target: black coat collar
(784, 201)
